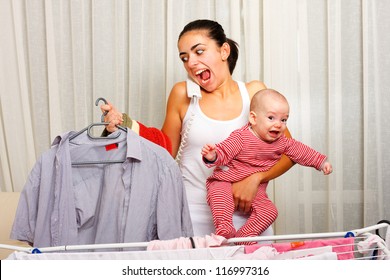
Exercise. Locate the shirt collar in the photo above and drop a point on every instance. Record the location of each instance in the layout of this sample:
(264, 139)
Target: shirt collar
(133, 142)
(133, 145)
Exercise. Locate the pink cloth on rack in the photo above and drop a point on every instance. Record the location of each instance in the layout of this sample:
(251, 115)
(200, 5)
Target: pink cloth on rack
(342, 246)
(185, 242)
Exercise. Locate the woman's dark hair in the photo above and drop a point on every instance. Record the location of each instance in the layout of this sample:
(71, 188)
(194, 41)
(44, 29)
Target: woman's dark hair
(215, 32)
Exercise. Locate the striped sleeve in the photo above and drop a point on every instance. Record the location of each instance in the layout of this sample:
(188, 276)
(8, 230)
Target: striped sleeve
(303, 154)
(228, 149)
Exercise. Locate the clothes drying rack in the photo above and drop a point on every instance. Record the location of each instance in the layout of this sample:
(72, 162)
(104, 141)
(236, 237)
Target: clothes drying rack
(380, 248)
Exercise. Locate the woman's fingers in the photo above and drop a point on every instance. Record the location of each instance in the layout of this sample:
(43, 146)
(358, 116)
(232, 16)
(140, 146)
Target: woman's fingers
(112, 116)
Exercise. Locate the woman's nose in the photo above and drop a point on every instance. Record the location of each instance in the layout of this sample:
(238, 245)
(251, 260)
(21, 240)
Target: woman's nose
(192, 61)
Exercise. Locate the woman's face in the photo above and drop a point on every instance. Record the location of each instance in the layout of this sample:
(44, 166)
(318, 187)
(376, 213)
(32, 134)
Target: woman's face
(203, 59)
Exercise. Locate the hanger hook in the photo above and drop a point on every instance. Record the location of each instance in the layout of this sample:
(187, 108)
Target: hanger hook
(97, 104)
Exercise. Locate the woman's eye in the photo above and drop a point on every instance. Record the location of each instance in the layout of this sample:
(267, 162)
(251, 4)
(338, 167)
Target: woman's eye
(199, 51)
(184, 58)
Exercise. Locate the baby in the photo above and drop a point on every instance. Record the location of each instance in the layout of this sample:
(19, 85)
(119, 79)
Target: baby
(255, 147)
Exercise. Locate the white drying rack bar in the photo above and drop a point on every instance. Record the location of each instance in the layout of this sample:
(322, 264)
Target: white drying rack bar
(355, 232)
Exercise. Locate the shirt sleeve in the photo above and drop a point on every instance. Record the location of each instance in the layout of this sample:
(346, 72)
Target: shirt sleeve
(173, 216)
(24, 225)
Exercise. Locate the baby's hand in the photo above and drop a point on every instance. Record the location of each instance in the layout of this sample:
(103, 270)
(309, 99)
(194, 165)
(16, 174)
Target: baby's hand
(327, 168)
(208, 152)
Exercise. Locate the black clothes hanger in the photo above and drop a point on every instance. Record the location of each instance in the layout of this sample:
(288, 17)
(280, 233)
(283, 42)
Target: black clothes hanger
(91, 136)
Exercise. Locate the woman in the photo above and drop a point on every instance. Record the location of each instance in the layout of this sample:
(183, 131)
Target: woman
(220, 106)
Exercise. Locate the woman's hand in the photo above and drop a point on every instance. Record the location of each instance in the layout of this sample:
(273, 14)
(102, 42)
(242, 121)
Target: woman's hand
(113, 116)
(245, 191)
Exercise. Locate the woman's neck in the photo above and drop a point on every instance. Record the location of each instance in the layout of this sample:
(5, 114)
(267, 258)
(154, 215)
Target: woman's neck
(226, 88)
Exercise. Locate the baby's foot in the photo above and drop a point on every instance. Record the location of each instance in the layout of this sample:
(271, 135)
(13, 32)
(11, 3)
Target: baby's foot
(226, 231)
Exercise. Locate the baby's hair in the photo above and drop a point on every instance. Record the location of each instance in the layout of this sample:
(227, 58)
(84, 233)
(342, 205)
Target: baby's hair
(257, 99)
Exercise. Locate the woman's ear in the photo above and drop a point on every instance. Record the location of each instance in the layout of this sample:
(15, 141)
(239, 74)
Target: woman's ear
(225, 51)
(252, 118)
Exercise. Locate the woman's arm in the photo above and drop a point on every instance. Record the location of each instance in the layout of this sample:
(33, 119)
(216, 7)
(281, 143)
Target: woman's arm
(245, 191)
(114, 118)
(170, 134)
(177, 106)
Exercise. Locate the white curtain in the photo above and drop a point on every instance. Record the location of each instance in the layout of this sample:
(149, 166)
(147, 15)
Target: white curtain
(330, 58)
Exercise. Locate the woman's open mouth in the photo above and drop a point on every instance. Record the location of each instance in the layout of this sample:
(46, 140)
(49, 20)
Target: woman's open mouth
(203, 75)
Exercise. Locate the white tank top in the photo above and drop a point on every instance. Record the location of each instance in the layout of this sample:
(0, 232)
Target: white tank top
(198, 129)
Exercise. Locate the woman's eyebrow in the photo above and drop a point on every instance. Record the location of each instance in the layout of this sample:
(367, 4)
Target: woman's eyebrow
(192, 48)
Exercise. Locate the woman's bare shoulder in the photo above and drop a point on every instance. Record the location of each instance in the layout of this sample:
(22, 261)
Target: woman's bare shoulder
(179, 90)
(254, 86)
(178, 100)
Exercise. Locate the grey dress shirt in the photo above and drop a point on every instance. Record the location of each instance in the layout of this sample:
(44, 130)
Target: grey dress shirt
(139, 200)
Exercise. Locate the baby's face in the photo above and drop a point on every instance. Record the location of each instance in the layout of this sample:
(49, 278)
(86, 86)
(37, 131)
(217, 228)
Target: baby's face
(271, 120)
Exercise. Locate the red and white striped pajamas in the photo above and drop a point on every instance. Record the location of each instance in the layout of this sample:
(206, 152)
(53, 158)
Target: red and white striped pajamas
(238, 156)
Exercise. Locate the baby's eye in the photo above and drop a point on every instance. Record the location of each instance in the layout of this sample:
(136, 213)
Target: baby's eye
(284, 120)
(271, 118)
